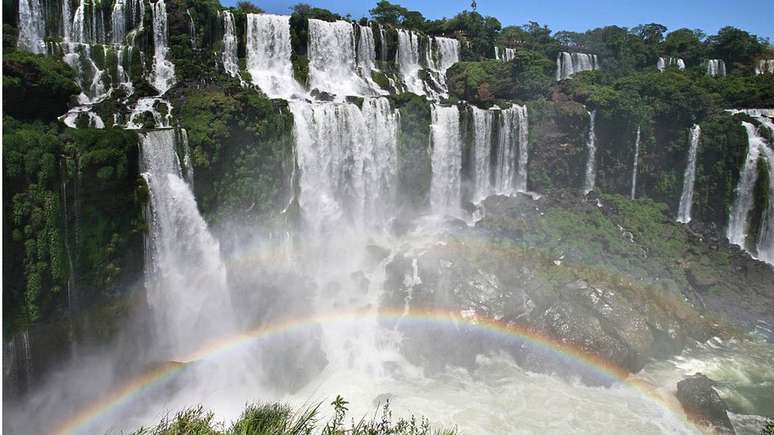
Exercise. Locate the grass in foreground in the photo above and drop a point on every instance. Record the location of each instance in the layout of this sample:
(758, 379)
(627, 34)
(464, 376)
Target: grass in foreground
(280, 419)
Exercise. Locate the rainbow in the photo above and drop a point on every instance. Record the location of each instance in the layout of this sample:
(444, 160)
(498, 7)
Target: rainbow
(568, 352)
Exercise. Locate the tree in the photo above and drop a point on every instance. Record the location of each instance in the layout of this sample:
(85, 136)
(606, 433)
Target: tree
(650, 33)
(387, 13)
(396, 15)
(686, 44)
(736, 47)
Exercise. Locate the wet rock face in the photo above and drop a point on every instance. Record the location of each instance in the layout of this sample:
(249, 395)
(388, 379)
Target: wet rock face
(703, 404)
(594, 273)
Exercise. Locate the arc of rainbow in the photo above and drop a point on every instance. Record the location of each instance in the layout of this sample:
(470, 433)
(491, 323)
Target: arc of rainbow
(575, 354)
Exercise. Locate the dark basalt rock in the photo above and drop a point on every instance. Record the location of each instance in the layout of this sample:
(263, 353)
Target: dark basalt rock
(703, 404)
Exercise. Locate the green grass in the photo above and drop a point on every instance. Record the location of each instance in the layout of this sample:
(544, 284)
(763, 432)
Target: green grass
(280, 419)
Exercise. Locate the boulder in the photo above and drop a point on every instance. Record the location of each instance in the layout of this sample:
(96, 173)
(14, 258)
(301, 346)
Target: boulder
(703, 404)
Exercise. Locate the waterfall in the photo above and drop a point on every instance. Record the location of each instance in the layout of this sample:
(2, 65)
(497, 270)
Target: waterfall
(765, 245)
(32, 27)
(443, 53)
(230, 60)
(512, 151)
(347, 160)
(79, 23)
(383, 52)
(505, 55)
(192, 28)
(568, 64)
(738, 222)
(521, 174)
(333, 60)
(366, 52)
(408, 61)
(185, 277)
(87, 74)
(636, 163)
(482, 151)
(716, 67)
(689, 177)
(765, 66)
(664, 62)
(118, 21)
(163, 74)
(446, 159)
(268, 55)
(67, 23)
(591, 160)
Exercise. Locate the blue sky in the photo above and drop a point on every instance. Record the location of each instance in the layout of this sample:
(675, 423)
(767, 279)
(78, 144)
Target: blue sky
(755, 16)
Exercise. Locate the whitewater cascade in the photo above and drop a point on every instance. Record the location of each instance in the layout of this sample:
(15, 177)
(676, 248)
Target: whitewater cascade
(738, 223)
(568, 64)
(482, 150)
(333, 60)
(185, 276)
(636, 164)
(590, 179)
(118, 21)
(163, 73)
(765, 246)
(716, 67)
(664, 62)
(689, 177)
(505, 54)
(268, 55)
(230, 60)
(765, 66)
(32, 27)
(446, 159)
(442, 54)
(366, 54)
(347, 160)
(408, 61)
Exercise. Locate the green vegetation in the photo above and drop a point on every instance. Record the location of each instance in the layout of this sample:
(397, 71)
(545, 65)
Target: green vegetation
(414, 166)
(279, 419)
(36, 86)
(67, 188)
(241, 144)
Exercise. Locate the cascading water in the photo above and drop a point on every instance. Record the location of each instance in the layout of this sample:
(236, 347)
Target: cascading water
(32, 27)
(568, 64)
(163, 73)
(268, 55)
(230, 60)
(347, 171)
(765, 66)
(118, 21)
(738, 222)
(191, 28)
(664, 62)
(482, 149)
(716, 67)
(689, 177)
(185, 276)
(590, 179)
(521, 173)
(409, 61)
(333, 61)
(765, 246)
(366, 52)
(446, 159)
(443, 53)
(636, 164)
(505, 54)
(383, 48)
